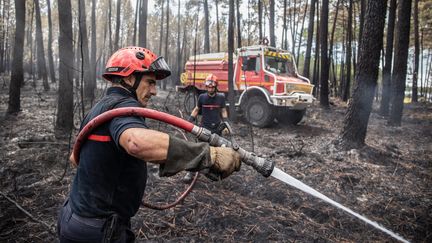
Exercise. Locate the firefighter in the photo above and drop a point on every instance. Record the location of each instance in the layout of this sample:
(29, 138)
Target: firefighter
(211, 105)
(111, 176)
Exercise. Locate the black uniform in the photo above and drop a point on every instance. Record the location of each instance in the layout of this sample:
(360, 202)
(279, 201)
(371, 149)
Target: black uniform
(210, 108)
(109, 182)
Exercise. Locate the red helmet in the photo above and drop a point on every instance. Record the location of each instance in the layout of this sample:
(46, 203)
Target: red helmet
(211, 81)
(135, 59)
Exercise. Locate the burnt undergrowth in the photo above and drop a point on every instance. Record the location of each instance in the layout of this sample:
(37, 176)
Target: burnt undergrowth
(388, 181)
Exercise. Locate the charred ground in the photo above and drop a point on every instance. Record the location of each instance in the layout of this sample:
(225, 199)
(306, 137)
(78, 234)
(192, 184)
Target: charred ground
(388, 181)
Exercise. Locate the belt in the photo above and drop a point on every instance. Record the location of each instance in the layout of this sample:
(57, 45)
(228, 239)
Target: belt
(96, 222)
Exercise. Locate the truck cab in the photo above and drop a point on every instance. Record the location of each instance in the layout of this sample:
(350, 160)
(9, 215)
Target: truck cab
(266, 83)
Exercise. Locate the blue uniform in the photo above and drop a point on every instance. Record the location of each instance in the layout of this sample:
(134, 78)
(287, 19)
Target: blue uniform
(108, 181)
(210, 108)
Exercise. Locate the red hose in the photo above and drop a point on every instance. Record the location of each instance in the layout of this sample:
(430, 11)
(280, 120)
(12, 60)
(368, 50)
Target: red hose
(127, 111)
(143, 112)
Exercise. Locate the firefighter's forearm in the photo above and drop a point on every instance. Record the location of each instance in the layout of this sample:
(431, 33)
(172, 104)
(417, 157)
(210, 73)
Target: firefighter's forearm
(224, 113)
(184, 155)
(195, 112)
(145, 144)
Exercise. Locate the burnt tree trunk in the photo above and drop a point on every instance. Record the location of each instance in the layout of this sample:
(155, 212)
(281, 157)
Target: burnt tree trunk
(142, 37)
(165, 81)
(324, 101)
(178, 55)
(110, 26)
(4, 51)
(41, 63)
(284, 42)
(93, 43)
(17, 75)
(137, 9)
(416, 53)
(301, 34)
(64, 121)
(357, 117)
(30, 41)
(306, 67)
(342, 65)
(331, 48)
(260, 20)
(238, 18)
(77, 57)
(315, 79)
(293, 16)
(161, 28)
(117, 31)
(231, 94)
(50, 52)
(89, 84)
(272, 24)
(361, 17)
(347, 83)
(400, 62)
(386, 84)
(206, 28)
(217, 26)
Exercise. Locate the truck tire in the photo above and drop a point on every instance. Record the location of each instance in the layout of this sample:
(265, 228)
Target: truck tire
(286, 116)
(259, 112)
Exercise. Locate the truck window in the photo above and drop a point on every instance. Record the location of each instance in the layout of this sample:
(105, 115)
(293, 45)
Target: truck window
(251, 63)
(279, 65)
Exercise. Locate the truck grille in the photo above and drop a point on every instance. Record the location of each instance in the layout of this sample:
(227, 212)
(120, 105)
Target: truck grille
(307, 88)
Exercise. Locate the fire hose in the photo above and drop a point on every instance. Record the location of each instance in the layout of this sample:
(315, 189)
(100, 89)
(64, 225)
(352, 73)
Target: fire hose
(264, 166)
(261, 165)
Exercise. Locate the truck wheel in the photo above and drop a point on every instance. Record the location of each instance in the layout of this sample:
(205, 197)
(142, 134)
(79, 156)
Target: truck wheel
(259, 112)
(290, 117)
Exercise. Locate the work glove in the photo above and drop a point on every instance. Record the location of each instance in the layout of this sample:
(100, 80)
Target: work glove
(218, 162)
(225, 131)
(224, 161)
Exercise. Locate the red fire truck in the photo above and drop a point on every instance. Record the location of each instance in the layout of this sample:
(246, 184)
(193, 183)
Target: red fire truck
(266, 83)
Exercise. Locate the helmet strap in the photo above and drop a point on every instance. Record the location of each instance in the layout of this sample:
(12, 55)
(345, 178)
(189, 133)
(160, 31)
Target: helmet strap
(133, 88)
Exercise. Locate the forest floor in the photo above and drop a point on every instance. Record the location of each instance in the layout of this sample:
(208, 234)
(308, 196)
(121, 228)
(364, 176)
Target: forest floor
(388, 181)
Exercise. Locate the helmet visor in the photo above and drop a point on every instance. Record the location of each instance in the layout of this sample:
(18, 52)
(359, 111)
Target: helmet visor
(210, 83)
(160, 68)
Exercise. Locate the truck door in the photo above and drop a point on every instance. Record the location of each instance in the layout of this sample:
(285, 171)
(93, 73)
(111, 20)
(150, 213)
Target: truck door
(252, 72)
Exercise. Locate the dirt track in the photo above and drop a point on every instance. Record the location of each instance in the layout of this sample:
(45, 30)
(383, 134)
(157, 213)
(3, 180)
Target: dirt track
(388, 181)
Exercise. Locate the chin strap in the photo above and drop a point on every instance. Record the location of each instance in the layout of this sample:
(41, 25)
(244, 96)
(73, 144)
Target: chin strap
(133, 88)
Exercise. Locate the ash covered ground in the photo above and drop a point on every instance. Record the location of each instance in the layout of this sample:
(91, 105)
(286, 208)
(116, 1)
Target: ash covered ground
(387, 181)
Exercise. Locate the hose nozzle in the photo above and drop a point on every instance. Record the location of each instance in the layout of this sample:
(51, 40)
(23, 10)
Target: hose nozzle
(263, 166)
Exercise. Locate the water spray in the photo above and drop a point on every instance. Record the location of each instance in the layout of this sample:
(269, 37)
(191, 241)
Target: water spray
(263, 166)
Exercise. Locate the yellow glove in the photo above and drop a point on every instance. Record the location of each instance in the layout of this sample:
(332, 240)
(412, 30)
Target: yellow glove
(224, 161)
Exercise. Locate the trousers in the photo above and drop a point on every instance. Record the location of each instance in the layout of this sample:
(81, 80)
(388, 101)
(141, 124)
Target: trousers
(73, 228)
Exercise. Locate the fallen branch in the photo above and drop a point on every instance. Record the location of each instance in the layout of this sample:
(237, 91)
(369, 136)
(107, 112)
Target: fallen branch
(50, 227)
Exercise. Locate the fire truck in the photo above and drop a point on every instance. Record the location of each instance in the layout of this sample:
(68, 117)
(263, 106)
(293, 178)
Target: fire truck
(266, 83)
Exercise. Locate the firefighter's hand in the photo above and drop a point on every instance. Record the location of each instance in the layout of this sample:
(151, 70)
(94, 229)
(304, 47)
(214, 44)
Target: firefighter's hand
(72, 160)
(191, 119)
(224, 161)
(226, 131)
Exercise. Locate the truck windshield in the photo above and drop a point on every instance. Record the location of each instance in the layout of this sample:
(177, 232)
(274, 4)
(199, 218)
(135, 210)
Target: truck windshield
(282, 65)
